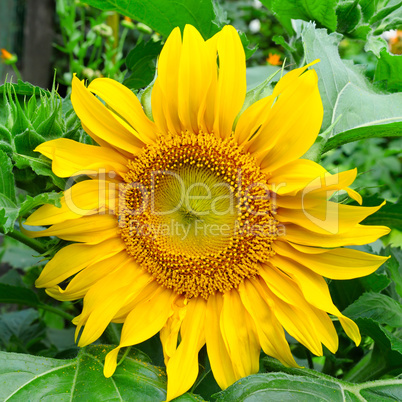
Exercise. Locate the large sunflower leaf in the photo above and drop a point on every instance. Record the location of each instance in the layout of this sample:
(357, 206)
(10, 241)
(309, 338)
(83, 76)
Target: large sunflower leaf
(348, 98)
(162, 16)
(25, 377)
(306, 385)
(285, 387)
(321, 11)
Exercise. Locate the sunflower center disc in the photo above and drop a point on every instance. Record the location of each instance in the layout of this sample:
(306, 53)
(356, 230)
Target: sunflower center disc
(196, 213)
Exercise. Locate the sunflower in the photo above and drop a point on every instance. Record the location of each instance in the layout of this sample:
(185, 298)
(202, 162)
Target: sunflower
(202, 223)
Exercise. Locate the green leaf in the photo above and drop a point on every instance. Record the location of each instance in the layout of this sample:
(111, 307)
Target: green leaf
(20, 330)
(362, 133)
(258, 79)
(306, 387)
(141, 62)
(163, 16)
(386, 355)
(378, 307)
(17, 254)
(26, 377)
(280, 40)
(345, 92)
(41, 199)
(368, 8)
(249, 51)
(321, 11)
(375, 44)
(375, 282)
(389, 16)
(40, 166)
(189, 398)
(348, 15)
(27, 141)
(18, 295)
(389, 70)
(23, 88)
(333, 73)
(384, 12)
(394, 267)
(7, 186)
(389, 215)
(8, 201)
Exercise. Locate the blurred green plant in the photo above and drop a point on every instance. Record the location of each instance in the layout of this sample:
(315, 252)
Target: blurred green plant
(92, 41)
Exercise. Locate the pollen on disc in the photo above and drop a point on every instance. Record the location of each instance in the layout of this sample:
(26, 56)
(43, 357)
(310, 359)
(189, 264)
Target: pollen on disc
(196, 213)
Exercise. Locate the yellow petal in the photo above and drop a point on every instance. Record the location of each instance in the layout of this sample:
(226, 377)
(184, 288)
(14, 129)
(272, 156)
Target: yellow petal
(293, 126)
(148, 316)
(73, 258)
(296, 322)
(327, 218)
(195, 72)
(257, 115)
(287, 290)
(123, 101)
(106, 297)
(91, 229)
(241, 340)
(169, 333)
(182, 369)
(315, 290)
(84, 198)
(111, 362)
(290, 78)
(219, 358)
(270, 331)
(295, 176)
(81, 283)
(72, 158)
(168, 82)
(358, 235)
(304, 192)
(101, 121)
(159, 106)
(207, 122)
(231, 88)
(252, 119)
(144, 321)
(341, 263)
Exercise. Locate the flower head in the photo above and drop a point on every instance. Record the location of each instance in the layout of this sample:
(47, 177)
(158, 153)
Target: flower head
(195, 227)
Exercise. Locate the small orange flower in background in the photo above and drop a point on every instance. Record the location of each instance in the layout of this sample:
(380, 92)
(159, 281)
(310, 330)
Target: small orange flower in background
(274, 59)
(395, 43)
(7, 57)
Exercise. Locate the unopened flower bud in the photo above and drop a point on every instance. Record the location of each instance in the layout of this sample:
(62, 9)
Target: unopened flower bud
(103, 30)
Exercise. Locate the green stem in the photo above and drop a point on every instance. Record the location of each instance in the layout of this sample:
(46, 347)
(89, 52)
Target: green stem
(34, 244)
(126, 352)
(57, 311)
(17, 72)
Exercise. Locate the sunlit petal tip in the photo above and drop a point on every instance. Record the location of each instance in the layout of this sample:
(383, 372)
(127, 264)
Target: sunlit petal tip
(313, 62)
(111, 362)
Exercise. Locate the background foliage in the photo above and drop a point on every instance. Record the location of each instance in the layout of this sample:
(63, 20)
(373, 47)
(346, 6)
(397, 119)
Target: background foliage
(360, 77)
